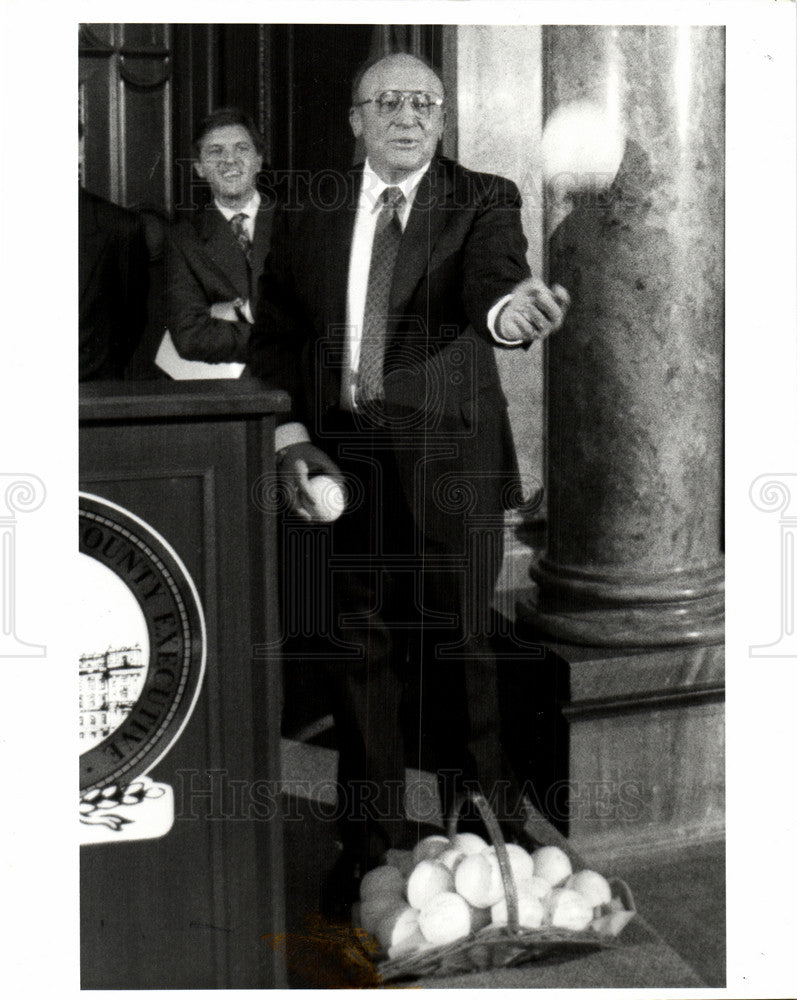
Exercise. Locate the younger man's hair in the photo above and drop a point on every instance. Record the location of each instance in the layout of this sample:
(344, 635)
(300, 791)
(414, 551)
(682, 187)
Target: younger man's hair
(228, 116)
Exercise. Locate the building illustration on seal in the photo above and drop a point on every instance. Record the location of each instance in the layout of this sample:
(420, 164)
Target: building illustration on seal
(109, 686)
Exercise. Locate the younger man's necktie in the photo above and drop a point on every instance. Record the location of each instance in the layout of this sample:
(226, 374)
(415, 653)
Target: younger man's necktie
(239, 231)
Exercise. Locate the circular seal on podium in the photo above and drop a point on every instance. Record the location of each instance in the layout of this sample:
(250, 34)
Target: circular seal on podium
(142, 633)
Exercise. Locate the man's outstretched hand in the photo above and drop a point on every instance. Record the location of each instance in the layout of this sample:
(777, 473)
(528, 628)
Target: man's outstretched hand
(297, 465)
(534, 312)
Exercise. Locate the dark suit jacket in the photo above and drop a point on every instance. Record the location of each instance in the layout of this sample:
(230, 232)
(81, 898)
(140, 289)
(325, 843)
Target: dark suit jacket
(113, 273)
(205, 265)
(463, 248)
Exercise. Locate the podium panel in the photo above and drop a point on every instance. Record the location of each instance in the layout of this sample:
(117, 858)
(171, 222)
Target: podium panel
(180, 470)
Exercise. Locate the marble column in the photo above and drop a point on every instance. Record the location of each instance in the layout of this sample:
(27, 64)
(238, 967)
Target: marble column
(635, 378)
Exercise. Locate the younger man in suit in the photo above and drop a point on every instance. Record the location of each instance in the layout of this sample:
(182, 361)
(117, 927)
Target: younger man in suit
(216, 257)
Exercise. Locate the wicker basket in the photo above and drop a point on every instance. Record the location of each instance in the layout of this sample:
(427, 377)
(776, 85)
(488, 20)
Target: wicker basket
(501, 947)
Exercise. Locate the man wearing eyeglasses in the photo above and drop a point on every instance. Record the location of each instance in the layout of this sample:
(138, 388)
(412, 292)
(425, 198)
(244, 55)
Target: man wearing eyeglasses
(381, 305)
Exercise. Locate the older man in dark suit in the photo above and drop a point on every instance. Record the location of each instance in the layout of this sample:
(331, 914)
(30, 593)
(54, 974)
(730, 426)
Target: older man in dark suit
(381, 304)
(216, 257)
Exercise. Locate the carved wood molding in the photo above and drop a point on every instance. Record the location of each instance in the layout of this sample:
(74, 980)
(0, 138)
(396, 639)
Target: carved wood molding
(134, 73)
(90, 45)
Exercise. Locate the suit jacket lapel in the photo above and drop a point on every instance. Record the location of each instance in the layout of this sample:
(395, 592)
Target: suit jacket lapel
(333, 252)
(337, 249)
(223, 250)
(427, 220)
(262, 238)
(92, 238)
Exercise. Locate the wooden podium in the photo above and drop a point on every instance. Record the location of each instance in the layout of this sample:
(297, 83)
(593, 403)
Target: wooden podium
(189, 909)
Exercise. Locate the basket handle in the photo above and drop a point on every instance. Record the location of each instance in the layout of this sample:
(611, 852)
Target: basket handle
(497, 837)
(622, 890)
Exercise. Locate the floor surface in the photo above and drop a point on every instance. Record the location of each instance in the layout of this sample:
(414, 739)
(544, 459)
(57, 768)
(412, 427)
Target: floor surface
(680, 892)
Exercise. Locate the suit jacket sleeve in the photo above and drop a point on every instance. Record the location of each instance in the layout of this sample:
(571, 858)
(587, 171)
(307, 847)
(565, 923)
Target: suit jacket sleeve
(114, 280)
(133, 287)
(494, 254)
(281, 335)
(192, 289)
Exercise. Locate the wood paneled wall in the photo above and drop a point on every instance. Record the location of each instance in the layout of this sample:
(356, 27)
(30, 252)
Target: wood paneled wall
(125, 106)
(144, 88)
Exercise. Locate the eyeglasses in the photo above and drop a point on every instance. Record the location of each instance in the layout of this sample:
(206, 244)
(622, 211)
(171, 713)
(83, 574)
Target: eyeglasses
(391, 102)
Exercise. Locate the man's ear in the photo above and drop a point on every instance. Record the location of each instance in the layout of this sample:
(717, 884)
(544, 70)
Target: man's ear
(356, 122)
(200, 170)
(442, 126)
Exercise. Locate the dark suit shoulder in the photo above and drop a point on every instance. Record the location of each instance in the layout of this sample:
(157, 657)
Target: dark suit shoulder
(106, 215)
(198, 224)
(203, 223)
(312, 197)
(476, 188)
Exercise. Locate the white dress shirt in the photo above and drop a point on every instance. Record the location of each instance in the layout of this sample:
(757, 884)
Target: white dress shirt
(368, 208)
(250, 210)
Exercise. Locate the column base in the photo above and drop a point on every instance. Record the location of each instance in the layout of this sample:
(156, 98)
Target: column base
(622, 749)
(618, 608)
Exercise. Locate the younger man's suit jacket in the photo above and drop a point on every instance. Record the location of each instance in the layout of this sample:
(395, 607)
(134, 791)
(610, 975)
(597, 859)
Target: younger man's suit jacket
(206, 265)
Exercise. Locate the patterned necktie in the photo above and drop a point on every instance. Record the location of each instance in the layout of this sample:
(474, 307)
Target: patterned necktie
(239, 231)
(387, 236)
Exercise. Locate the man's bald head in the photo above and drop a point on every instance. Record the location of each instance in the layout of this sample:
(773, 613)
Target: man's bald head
(398, 142)
(401, 60)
